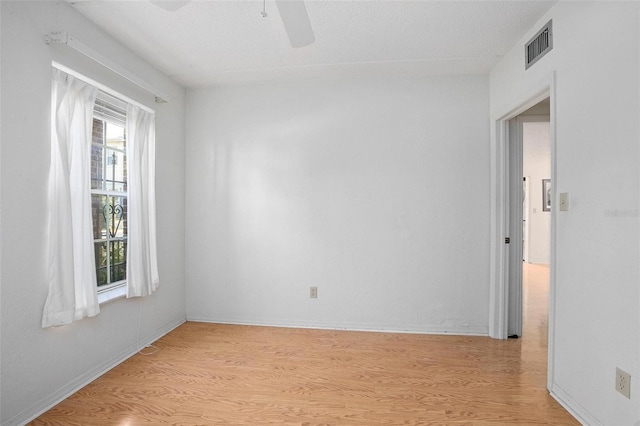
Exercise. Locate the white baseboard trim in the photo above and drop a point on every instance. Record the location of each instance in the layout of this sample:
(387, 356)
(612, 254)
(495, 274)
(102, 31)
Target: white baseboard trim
(576, 410)
(75, 385)
(457, 331)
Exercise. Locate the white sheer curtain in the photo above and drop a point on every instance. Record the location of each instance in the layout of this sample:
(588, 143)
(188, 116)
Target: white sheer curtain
(72, 276)
(142, 260)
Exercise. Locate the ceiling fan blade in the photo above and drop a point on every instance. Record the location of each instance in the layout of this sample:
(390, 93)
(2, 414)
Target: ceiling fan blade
(296, 22)
(170, 5)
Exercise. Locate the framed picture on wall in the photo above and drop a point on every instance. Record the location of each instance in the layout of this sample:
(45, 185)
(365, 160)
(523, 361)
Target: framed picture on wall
(546, 195)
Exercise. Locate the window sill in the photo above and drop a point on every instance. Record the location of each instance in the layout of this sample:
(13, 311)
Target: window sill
(112, 294)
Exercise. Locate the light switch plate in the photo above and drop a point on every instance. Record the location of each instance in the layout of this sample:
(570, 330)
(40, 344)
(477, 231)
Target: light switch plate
(564, 201)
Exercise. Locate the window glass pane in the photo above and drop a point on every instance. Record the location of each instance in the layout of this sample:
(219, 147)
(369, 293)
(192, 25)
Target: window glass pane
(97, 167)
(123, 228)
(115, 173)
(115, 213)
(115, 136)
(118, 255)
(98, 203)
(101, 263)
(98, 132)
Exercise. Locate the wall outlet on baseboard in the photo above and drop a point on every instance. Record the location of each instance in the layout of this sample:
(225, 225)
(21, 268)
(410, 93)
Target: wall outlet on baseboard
(623, 382)
(313, 292)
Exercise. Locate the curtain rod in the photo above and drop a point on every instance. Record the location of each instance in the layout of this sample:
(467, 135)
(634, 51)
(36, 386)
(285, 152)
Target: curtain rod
(62, 37)
(100, 86)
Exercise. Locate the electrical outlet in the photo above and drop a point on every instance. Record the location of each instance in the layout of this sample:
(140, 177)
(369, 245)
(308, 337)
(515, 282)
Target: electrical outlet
(313, 292)
(623, 382)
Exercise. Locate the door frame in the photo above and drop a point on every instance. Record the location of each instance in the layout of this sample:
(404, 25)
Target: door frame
(499, 251)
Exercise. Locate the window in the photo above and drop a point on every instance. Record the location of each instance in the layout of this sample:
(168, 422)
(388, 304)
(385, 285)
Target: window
(102, 221)
(109, 191)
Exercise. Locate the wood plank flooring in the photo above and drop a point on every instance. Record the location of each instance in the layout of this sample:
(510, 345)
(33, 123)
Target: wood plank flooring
(208, 374)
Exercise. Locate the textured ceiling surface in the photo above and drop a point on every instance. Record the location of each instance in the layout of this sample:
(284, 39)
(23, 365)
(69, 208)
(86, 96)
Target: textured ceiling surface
(210, 43)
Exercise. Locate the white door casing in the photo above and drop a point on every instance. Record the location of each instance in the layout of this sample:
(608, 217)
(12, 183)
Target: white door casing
(499, 268)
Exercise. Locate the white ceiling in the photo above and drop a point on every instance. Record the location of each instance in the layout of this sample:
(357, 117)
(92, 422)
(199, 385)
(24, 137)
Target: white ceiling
(210, 43)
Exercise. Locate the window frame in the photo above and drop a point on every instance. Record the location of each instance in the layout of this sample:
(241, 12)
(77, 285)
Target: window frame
(102, 111)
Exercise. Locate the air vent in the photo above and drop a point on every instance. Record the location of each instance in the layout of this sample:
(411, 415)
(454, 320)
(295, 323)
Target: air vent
(538, 46)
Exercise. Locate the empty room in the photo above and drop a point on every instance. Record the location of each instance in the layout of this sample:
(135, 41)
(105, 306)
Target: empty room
(314, 212)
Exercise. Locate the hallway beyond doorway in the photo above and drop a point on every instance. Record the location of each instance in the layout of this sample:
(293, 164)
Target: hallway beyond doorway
(535, 300)
(535, 318)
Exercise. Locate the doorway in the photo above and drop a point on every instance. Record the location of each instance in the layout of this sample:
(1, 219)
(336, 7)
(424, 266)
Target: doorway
(501, 250)
(529, 210)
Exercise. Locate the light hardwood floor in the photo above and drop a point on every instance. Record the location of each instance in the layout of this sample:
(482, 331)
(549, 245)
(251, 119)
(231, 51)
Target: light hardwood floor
(207, 374)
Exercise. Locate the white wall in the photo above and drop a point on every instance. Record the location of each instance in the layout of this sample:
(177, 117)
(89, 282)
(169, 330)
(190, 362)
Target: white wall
(536, 166)
(596, 60)
(40, 366)
(375, 191)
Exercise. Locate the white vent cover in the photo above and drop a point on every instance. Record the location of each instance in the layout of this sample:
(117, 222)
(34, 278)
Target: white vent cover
(539, 45)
